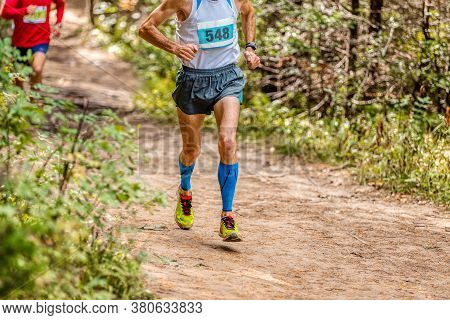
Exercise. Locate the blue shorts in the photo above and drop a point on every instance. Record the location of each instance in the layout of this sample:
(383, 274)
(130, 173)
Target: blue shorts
(43, 47)
(198, 90)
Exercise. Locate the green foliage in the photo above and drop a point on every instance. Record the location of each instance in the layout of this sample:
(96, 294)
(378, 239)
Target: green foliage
(61, 170)
(157, 101)
(397, 151)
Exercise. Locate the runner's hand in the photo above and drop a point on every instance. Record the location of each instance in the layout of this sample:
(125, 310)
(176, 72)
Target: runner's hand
(56, 30)
(186, 52)
(253, 61)
(31, 9)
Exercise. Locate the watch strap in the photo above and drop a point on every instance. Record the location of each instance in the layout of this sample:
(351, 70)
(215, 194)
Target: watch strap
(251, 45)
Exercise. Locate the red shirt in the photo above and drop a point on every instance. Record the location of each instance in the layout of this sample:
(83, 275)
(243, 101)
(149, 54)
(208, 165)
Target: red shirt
(31, 30)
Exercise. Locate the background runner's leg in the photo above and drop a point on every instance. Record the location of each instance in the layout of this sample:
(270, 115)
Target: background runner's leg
(227, 117)
(18, 83)
(38, 67)
(190, 127)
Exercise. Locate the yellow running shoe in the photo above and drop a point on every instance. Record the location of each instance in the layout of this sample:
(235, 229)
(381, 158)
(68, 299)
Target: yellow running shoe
(184, 216)
(229, 230)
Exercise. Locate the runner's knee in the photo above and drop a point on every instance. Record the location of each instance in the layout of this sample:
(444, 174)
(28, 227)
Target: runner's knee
(227, 144)
(191, 153)
(38, 63)
(38, 69)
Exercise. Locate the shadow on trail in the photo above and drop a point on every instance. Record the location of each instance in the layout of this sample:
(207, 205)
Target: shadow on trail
(221, 247)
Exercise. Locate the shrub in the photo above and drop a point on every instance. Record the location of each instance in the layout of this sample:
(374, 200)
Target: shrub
(62, 168)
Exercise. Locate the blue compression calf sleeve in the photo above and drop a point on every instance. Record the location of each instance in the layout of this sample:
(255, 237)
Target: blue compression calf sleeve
(228, 175)
(186, 173)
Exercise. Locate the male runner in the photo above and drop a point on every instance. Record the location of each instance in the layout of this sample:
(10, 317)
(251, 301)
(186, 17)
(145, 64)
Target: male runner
(32, 29)
(207, 45)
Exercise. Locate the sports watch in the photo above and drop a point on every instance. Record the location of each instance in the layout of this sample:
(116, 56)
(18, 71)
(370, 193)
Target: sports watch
(251, 45)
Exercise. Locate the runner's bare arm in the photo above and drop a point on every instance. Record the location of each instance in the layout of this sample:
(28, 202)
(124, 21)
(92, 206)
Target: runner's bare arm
(149, 31)
(249, 29)
(2, 4)
(248, 20)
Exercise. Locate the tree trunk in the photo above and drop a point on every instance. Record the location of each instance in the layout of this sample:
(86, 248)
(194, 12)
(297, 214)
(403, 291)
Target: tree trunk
(426, 19)
(91, 12)
(375, 18)
(352, 58)
(376, 7)
(353, 36)
(420, 86)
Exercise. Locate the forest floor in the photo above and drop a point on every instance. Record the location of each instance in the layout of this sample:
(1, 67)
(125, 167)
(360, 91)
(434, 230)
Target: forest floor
(310, 231)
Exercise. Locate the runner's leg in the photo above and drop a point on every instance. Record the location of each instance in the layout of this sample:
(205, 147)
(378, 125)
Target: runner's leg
(38, 67)
(227, 117)
(190, 127)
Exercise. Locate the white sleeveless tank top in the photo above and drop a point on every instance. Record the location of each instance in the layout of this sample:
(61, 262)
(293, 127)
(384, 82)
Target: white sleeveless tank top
(212, 26)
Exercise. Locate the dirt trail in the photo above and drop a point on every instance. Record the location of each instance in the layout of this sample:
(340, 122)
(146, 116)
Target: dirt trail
(310, 232)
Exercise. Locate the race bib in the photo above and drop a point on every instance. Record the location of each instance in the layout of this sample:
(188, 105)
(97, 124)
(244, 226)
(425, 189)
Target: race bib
(216, 34)
(39, 16)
